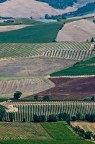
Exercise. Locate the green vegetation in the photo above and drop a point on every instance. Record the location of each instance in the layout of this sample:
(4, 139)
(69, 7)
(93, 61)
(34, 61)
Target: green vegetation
(32, 34)
(83, 68)
(17, 95)
(27, 111)
(59, 133)
(2, 112)
(72, 50)
(19, 21)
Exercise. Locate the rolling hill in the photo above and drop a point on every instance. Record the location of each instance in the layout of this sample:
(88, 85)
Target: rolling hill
(38, 8)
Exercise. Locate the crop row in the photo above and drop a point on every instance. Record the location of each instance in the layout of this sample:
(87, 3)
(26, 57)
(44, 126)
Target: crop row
(25, 50)
(27, 110)
(33, 85)
(69, 54)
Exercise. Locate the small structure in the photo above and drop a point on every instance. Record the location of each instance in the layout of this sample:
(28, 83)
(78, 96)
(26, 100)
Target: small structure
(92, 47)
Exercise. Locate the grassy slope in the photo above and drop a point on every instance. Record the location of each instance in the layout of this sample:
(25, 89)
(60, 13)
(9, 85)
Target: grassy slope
(32, 34)
(84, 68)
(59, 133)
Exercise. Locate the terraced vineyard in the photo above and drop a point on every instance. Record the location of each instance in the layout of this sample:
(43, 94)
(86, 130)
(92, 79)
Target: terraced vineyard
(28, 109)
(67, 50)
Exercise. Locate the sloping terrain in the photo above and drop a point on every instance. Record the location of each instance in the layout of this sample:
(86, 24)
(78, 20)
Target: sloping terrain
(12, 27)
(61, 4)
(70, 88)
(87, 126)
(22, 8)
(81, 30)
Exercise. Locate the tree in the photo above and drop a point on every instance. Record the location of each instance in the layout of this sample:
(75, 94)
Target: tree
(17, 95)
(68, 122)
(11, 117)
(92, 39)
(36, 97)
(88, 135)
(78, 116)
(46, 98)
(64, 116)
(74, 118)
(52, 118)
(40, 118)
(2, 112)
(92, 98)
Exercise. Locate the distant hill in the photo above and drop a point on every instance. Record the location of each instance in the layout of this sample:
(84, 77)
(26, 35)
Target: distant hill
(1, 1)
(39, 8)
(62, 4)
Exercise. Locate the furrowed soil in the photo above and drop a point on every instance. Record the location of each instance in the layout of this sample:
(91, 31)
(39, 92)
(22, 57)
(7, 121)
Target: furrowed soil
(70, 88)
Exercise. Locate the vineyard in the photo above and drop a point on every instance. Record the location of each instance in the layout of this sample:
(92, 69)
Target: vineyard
(67, 50)
(24, 67)
(28, 109)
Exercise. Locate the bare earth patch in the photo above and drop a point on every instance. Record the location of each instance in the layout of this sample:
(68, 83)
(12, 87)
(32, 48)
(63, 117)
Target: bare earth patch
(87, 126)
(70, 88)
(12, 27)
(81, 30)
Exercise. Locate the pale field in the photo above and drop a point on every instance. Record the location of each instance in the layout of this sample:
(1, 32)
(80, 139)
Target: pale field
(32, 66)
(81, 30)
(35, 71)
(23, 8)
(12, 27)
(87, 126)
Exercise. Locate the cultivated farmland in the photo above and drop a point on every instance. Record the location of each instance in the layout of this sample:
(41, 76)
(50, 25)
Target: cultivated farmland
(33, 34)
(71, 88)
(12, 27)
(28, 109)
(58, 133)
(67, 50)
(26, 86)
(23, 131)
(80, 30)
(87, 126)
(81, 69)
(25, 67)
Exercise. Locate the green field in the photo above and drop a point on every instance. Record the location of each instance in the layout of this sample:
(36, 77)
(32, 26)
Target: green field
(32, 34)
(84, 68)
(54, 133)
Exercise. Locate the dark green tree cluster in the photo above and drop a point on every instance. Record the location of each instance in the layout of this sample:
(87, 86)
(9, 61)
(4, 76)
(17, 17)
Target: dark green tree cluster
(2, 112)
(40, 118)
(82, 133)
(59, 4)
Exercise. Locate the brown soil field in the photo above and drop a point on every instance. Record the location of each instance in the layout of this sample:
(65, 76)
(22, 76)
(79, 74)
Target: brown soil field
(70, 88)
(87, 126)
(12, 27)
(80, 30)
(22, 8)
